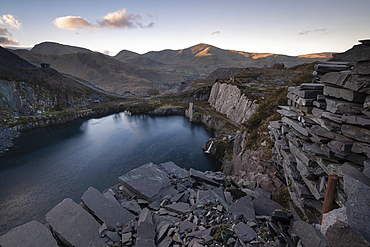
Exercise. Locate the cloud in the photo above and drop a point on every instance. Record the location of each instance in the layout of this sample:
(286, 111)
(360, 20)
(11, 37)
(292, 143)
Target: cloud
(216, 32)
(8, 41)
(117, 19)
(72, 23)
(122, 19)
(322, 31)
(4, 31)
(11, 21)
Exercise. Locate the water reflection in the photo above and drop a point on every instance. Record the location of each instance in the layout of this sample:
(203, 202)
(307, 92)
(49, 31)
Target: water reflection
(50, 164)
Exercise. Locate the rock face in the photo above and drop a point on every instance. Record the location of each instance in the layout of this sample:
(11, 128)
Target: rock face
(329, 137)
(228, 99)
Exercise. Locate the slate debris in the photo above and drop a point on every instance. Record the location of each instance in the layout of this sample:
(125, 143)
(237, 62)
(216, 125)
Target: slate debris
(211, 220)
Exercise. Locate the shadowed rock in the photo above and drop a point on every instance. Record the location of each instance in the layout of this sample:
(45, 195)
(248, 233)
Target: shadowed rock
(341, 234)
(28, 235)
(137, 181)
(265, 206)
(74, 224)
(243, 206)
(104, 209)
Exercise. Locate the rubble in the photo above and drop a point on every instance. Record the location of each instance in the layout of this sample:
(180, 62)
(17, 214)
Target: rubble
(204, 213)
(325, 131)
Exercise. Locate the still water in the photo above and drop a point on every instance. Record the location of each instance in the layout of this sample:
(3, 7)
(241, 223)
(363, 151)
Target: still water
(49, 164)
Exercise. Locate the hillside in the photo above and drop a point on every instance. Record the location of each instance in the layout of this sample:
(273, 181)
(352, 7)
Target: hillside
(26, 90)
(52, 48)
(105, 72)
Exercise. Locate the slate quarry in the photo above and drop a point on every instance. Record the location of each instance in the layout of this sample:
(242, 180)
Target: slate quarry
(165, 205)
(325, 130)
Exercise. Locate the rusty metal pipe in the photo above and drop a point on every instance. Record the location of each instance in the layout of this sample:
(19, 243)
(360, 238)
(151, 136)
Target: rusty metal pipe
(329, 195)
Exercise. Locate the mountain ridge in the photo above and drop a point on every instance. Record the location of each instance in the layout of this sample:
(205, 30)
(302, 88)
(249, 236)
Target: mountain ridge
(163, 70)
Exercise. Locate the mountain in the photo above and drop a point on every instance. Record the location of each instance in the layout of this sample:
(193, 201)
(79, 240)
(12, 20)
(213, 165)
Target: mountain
(104, 71)
(130, 71)
(10, 60)
(27, 90)
(325, 55)
(136, 59)
(52, 48)
(208, 55)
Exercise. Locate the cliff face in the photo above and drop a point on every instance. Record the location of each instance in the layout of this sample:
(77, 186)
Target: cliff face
(227, 99)
(22, 99)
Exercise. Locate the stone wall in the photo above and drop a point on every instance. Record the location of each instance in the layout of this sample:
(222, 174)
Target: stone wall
(325, 130)
(227, 99)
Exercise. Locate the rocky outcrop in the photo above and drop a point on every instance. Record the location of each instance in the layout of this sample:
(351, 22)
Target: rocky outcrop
(325, 131)
(165, 205)
(22, 99)
(227, 99)
(251, 165)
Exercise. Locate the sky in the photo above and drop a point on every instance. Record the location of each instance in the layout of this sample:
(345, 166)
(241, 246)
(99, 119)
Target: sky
(291, 27)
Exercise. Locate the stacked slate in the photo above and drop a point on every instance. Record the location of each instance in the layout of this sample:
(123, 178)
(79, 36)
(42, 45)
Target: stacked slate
(325, 130)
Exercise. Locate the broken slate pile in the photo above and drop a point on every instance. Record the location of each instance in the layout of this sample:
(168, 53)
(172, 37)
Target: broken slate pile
(325, 130)
(167, 206)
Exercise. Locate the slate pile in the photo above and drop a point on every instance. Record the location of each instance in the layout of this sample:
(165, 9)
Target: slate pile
(325, 130)
(167, 206)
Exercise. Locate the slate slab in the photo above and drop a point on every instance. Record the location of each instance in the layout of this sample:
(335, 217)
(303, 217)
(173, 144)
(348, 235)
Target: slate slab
(341, 106)
(243, 206)
(161, 230)
(77, 226)
(245, 232)
(172, 168)
(131, 206)
(28, 235)
(145, 235)
(137, 180)
(305, 157)
(335, 78)
(180, 207)
(295, 124)
(294, 212)
(199, 176)
(341, 234)
(265, 206)
(110, 213)
(307, 234)
(345, 94)
(205, 196)
(357, 133)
